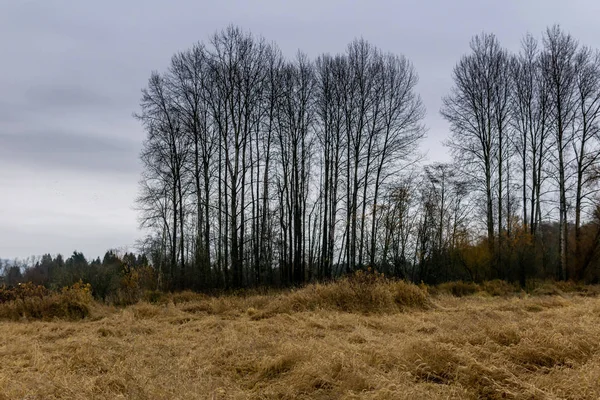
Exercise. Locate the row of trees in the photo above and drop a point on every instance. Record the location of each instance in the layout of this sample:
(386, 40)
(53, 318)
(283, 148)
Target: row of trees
(259, 170)
(263, 170)
(525, 132)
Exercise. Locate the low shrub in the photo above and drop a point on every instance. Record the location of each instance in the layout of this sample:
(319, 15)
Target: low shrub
(155, 297)
(186, 296)
(578, 288)
(545, 289)
(22, 291)
(71, 303)
(133, 285)
(560, 288)
(458, 288)
(409, 295)
(498, 287)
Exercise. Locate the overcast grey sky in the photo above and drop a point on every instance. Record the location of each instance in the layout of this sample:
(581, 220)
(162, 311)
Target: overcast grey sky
(72, 71)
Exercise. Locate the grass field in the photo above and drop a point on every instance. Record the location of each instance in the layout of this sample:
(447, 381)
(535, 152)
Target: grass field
(306, 345)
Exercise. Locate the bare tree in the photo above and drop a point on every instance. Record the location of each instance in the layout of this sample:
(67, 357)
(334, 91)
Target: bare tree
(585, 143)
(530, 116)
(329, 97)
(239, 73)
(295, 137)
(477, 112)
(559, 72)
(164, 156)
(399, 222)
(399, 128)
(189, 76)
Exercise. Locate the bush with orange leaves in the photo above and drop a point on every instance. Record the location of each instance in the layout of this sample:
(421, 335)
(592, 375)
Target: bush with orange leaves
(22, 291)
(29, 301)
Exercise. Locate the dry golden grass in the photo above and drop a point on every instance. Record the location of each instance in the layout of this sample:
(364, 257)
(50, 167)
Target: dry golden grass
(320, 342)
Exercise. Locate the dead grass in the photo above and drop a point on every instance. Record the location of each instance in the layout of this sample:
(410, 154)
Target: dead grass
(322, 342)
(347, 295)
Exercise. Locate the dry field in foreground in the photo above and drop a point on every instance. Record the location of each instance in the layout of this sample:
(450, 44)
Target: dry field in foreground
(286, 347)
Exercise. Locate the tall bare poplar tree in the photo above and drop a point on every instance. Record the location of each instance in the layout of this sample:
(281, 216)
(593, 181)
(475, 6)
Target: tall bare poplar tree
(477, 112)
(559, 73)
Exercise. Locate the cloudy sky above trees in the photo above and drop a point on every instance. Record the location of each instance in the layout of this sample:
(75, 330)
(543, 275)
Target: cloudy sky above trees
(73, 71)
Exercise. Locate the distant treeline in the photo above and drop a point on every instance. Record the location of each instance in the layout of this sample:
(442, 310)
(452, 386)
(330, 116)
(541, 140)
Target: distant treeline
(108, 277)
(126, 278)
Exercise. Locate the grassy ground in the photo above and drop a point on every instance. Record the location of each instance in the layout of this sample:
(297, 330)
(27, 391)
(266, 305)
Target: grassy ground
(306, 345)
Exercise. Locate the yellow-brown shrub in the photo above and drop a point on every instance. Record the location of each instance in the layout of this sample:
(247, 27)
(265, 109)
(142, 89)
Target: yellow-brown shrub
(133, 285)
(71, 303)
(22, 291)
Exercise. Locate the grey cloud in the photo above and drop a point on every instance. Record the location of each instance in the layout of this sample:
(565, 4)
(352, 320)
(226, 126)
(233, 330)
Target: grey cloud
(69, 150)
(9, 113)
(65, 96)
